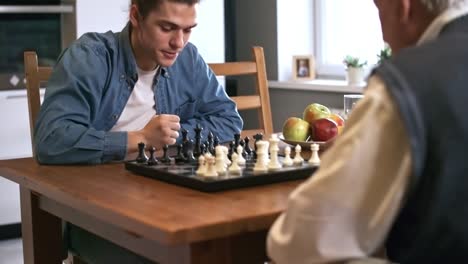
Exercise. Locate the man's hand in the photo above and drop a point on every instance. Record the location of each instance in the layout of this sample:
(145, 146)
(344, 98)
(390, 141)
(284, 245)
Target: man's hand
(160, 130)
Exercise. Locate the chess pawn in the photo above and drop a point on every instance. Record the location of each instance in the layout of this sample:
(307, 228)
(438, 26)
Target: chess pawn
(210, 167)
(297, 157)
(220, 160)
(314, 158)
(201, 166)
(165, 158)
(235, 168)
(247, 148)
(152, 159)
(142, 158)
(287, 162)
(240, 159)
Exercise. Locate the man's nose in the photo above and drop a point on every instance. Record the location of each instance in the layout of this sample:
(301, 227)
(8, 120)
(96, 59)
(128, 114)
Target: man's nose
(177, 40)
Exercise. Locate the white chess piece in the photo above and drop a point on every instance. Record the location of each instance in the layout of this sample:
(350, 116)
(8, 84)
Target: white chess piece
(240, 160)
(220, 162)
(201, 166)
(226, 151)
(235, 168)
(261, 164)
(314, 158)
(287, 162)
(274, 163)
(297, 157)
(210, 169)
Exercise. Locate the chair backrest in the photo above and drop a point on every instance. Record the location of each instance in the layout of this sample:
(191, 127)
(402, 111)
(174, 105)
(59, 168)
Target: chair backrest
(261, 99)
(35, 75)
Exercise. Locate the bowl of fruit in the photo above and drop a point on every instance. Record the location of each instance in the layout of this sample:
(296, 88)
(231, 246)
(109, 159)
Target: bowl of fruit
(317, 125)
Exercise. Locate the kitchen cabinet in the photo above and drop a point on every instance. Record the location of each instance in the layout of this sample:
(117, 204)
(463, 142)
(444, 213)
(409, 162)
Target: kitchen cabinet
(15, 142)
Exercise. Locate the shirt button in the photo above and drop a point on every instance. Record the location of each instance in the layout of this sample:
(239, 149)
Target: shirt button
(166, 75)
(115, 117)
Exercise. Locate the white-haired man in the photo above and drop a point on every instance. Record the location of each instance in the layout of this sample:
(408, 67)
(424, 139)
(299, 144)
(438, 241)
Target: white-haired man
(396, 178)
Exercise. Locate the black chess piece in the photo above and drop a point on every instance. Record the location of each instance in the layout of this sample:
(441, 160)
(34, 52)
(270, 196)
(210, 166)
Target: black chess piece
(209, 143)
(236, 139)
(180, 158)
(215, 142)
(247, 148)
(231, 150)
(165, 158)
(152, 159)
(242, 144)
(141, 158)
(203, 149)
(188, 153)
(184, 135)
(197, 148)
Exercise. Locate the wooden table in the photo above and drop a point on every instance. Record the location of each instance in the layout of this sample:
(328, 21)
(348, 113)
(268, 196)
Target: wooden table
(160, 221)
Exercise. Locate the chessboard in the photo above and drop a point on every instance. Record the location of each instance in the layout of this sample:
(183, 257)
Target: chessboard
(210, 166)
(185, 175)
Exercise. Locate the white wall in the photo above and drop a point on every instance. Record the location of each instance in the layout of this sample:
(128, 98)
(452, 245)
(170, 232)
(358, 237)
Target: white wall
(101, 15)
(104, 15)
(295, 33)
(208, 36)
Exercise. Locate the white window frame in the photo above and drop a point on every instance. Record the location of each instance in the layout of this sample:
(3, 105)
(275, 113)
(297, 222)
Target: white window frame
(333, 70)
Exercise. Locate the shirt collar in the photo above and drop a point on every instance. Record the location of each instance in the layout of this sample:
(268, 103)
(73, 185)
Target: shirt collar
(130, 65)
(127, 53)
(440, 21)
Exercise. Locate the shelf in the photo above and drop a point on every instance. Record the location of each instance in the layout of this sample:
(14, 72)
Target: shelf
(330, 86)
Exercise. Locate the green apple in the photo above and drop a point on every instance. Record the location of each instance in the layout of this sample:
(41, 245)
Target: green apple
(315, 111)
(296, 129)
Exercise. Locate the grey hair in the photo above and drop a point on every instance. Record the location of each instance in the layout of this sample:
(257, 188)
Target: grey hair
(439, 6)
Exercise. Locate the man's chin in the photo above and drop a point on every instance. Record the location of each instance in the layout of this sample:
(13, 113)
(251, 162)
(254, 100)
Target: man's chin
(166, 62)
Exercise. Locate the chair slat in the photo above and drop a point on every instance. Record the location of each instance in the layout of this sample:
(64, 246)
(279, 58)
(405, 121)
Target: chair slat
(234, 68)
(247, 102)
(261, 98)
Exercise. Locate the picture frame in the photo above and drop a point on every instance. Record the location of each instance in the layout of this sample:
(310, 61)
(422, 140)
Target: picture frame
(303, 67)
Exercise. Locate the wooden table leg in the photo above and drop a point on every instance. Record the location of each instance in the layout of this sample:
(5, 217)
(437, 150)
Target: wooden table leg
(41, 231)
(246, 248)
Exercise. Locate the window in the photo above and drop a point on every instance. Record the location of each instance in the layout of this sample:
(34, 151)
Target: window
(343, 28)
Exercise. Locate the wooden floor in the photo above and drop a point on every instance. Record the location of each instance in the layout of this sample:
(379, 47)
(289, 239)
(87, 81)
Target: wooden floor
(11, 251)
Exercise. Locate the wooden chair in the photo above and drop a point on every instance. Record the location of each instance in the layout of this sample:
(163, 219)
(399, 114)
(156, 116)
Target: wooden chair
(261, 99)
(35, 75)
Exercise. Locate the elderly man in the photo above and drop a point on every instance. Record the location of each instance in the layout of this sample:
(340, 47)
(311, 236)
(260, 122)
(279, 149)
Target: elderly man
(396, 178)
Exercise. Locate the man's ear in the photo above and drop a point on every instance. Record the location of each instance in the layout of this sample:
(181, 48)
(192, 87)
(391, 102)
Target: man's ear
(134, 15)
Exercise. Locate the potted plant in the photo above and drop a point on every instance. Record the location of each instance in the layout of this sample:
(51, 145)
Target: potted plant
(384, 54)
(354, 70)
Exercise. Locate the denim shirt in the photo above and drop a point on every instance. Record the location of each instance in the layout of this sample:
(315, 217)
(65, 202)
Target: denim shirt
(90, 86)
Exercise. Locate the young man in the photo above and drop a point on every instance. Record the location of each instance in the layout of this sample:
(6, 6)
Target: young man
(396, 178)
(110, 91)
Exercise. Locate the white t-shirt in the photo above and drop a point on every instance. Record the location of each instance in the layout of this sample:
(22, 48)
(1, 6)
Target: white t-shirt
(140, 107)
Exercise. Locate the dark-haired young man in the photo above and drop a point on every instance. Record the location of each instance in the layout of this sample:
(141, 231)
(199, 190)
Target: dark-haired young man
(110, 91)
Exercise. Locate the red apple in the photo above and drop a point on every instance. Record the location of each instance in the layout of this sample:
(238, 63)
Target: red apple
(339, 121)
(296, 129)
(315, 111)
(324, 129)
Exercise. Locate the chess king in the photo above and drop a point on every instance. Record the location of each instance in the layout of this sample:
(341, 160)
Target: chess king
(110, 91)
